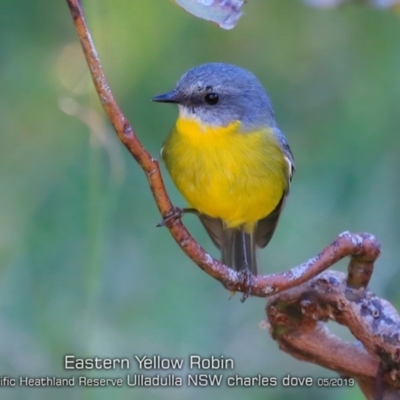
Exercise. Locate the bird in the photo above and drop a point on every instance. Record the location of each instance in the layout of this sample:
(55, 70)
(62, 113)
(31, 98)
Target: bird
(228, 158)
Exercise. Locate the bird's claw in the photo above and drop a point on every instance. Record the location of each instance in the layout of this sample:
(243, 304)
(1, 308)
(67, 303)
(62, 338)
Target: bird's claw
(246, 282)
(175, 213)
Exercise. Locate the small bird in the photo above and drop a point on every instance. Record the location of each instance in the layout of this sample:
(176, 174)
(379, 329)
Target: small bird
(228, 158)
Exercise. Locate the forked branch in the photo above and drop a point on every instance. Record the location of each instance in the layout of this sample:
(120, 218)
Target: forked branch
(297, 317)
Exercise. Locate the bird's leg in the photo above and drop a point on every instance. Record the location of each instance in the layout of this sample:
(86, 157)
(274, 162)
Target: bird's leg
(244, 248)
(176, 213)
(246, 275)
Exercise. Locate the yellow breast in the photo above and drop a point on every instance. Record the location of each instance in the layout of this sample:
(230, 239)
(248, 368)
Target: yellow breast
(238, 177)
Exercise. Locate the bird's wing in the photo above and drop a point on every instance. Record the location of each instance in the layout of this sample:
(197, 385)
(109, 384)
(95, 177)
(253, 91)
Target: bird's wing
(266, 226)
(214, 228)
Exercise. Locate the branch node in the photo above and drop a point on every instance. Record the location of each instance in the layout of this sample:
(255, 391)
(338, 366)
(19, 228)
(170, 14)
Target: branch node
(127, 129)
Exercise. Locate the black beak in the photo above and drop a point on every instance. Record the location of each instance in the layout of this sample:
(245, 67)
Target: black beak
(170, 97)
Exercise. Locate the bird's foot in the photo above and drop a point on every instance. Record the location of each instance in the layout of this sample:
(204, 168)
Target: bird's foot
(246, 282)
(176, 213)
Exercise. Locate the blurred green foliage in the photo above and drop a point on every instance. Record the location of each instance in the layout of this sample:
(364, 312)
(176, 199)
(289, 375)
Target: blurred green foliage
(83, 269)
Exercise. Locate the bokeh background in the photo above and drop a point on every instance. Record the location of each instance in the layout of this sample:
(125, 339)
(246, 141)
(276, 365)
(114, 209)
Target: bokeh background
(84, 271)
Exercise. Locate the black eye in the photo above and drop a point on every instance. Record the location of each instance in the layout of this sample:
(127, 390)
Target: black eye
(211, 98)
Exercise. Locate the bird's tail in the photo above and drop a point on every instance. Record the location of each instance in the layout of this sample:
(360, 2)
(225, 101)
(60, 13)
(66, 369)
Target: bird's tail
(235, 243)
(238, 249)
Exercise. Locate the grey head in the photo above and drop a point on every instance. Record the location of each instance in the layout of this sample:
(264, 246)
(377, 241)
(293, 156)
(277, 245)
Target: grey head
(219, 94)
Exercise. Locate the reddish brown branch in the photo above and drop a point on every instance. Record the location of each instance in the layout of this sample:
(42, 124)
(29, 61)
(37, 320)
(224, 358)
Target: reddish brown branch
(297, 319)
(357, 246)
